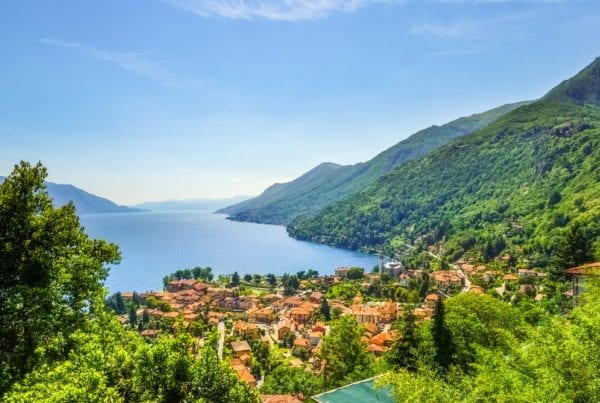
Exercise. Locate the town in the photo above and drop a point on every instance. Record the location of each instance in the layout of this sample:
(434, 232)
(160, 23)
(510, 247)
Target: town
(288, 317)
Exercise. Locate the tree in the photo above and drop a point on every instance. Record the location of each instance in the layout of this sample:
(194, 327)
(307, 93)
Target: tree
(248, 278)
(344, 354)
(574, 249)
(402, 352)
(290, 284)
(132, 315)
(355, 273)
(291, 380)
(271, 280)
(235, 279)
(424, 287)
(50, 272)
(325, 311)
(442, 338)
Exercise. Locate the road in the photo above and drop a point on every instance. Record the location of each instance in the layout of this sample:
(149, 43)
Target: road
(221, 329)
(467, 285)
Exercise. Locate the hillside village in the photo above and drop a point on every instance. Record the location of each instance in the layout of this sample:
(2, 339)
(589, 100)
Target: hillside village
(292, 321)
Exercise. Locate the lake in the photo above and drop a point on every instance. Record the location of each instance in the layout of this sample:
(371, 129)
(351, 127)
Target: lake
(154, 244)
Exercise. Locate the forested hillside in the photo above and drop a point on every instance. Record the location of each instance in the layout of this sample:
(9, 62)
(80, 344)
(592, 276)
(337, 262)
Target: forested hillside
(515, 185)
(328, 182)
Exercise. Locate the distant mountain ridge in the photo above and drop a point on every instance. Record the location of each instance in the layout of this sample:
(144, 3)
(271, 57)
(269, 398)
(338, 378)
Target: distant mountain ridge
(513, 186)
(190, 204)
(85, 203)
(328, 182)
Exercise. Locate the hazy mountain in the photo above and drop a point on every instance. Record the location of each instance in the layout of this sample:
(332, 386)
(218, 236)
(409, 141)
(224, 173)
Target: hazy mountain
(85, 203)
(329, 182)
(190, 204)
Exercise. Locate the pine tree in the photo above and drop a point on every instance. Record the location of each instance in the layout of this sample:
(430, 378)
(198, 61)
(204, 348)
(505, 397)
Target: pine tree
(575, 249)
(402, 352)
(132, 316)
(442, 338)
(325, 311)
(424, 288)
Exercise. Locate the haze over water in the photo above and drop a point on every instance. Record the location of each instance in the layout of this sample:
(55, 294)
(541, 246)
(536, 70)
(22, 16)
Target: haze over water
(154, 244)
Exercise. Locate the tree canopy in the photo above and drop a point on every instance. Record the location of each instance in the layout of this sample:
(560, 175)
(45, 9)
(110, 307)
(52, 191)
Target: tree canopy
(51, 273)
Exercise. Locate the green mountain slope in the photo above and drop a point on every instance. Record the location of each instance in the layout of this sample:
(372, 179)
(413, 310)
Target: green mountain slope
(513, 185)
(329, 183)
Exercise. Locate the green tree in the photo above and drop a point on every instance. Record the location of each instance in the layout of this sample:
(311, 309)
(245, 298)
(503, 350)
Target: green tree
(235, 279)
(424, 287)
(248, 278)
(132, 315)
(355, 273)
(291, 380)
(402, 353)
(574, 249)
(442, 338)
(50, 272)
(271, 280)
(344, 354)
(325, 310)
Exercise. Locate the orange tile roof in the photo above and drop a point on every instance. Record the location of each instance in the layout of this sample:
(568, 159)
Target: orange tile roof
(585, 270)
(245, 375)
(372, 348)
(301, 342)
(279, 399)
(381, 339)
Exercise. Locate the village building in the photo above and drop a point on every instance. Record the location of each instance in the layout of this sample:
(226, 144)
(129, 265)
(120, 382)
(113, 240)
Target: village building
(245, 375)
(241, 329)
(301, 342)
(315, 337)
(341, 272)
(447, 279)
(431, 300)
(392, 269)
(300, 315)
(279, 399)
(240, 348)
(387, 312)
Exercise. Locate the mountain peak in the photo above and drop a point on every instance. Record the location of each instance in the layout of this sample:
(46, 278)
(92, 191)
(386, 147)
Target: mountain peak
(583, 88)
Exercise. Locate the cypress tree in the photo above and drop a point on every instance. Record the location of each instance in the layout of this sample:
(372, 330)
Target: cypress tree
(442, 338)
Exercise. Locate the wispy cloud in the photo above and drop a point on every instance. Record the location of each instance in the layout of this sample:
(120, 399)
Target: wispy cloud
(506, 1)
(299, 10)
(276, 10)
(456, 29)
(142, 64)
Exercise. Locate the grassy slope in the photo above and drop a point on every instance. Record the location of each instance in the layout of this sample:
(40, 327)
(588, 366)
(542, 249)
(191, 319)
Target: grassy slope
(329, 183)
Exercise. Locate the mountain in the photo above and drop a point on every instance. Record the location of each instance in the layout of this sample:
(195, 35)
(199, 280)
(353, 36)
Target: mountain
(85, 203)
(514, 185)
(190, 204)
(329, 182)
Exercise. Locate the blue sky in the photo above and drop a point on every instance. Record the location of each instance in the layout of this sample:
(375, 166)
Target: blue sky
(160, 99)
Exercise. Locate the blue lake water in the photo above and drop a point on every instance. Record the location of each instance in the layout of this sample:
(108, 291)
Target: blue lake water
(154, 244)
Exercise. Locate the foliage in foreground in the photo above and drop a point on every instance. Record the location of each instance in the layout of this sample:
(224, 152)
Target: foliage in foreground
(500, 358)
(56, 341)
